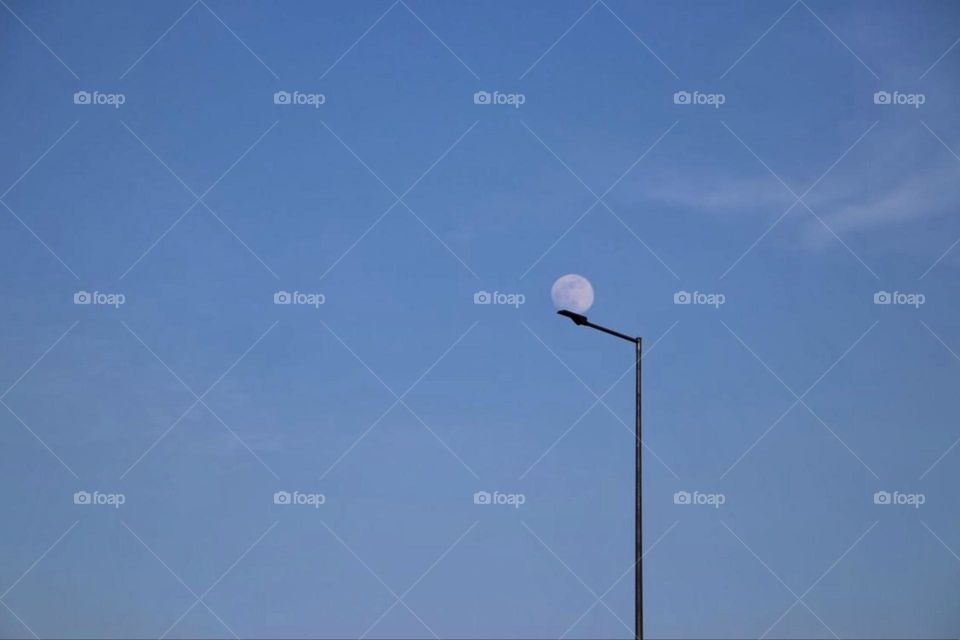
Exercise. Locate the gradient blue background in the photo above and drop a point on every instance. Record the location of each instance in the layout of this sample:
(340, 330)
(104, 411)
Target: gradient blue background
(797, 505)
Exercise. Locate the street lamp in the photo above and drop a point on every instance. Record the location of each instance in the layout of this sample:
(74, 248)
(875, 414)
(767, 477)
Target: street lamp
(582, 321)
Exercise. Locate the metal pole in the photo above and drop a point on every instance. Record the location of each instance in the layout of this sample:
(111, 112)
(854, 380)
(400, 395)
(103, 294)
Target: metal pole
(638, 510)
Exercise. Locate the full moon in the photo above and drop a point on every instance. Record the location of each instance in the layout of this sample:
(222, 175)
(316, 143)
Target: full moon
(572, 292)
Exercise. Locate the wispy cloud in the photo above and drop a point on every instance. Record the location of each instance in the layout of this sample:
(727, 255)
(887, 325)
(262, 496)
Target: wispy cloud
(894, 180)
(933, 192)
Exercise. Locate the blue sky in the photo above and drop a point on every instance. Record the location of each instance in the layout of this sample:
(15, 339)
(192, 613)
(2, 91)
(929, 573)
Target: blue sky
(199, 198)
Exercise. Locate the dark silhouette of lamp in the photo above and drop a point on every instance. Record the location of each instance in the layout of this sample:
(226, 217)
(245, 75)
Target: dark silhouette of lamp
(581, 321)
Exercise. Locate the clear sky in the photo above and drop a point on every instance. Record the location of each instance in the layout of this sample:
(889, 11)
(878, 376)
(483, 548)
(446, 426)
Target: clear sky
(149, 160)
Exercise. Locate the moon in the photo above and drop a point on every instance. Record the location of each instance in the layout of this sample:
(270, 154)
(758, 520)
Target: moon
(572, 292)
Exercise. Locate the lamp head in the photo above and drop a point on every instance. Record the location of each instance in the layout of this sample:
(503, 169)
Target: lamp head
(577, 318)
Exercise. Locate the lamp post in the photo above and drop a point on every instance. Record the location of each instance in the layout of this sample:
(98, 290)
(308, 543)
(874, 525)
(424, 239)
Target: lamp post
(582, 321)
